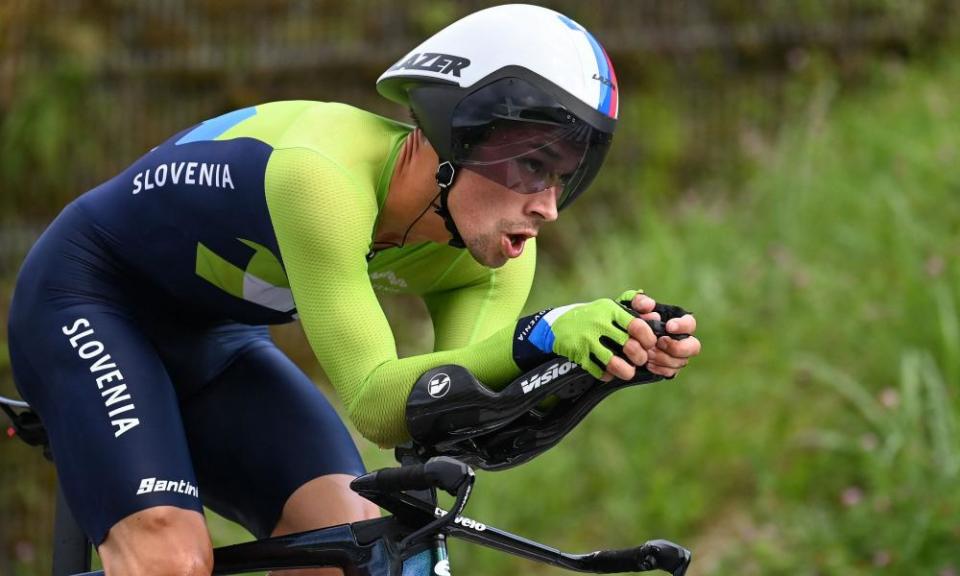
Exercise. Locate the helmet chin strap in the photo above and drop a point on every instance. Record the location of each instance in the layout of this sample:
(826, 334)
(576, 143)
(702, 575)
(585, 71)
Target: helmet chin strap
(446, 174)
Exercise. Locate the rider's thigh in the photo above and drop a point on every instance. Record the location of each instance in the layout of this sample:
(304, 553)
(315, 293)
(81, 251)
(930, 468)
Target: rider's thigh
(324, 501)
(262, 432)
(93, 374)
(269, 449)
(158, 541)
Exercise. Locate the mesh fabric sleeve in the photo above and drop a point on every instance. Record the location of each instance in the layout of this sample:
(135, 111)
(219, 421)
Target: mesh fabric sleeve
(467, 313)
(323, 219)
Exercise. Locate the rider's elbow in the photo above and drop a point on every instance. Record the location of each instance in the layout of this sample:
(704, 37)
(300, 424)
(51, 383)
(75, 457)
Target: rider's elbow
(378, 427)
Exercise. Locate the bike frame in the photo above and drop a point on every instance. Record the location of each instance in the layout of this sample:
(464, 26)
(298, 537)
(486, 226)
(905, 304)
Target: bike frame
(369, 548)
(362, 548)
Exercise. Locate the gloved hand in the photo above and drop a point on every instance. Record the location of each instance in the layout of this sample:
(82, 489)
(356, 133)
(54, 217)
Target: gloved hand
(589, 334)
(672, 352)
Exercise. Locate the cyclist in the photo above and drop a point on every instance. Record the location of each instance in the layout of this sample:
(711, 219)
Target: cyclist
(137, 329)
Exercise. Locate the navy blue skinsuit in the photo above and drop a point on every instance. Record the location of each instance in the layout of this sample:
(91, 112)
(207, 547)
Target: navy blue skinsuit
(156, 386)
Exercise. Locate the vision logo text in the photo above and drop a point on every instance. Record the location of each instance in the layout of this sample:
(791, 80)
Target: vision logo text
(551, 373)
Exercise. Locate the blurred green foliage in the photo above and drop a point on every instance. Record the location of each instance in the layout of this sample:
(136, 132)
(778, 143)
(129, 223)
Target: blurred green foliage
(817, 433)
(786, 170)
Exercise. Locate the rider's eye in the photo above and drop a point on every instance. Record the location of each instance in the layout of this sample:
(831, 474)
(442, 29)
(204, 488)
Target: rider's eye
(531, 165)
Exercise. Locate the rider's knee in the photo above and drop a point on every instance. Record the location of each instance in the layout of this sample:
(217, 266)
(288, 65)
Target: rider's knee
(324, 501)
(160, 541)
(182, 563)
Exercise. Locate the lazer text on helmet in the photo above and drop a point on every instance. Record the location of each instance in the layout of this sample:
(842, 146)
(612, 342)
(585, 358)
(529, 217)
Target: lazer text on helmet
(434, 62)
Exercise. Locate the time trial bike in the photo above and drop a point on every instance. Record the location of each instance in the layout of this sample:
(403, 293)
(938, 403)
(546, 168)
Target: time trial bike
(456, 423)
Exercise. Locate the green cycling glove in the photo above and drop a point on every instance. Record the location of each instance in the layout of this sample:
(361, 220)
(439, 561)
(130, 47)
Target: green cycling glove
(586, 333)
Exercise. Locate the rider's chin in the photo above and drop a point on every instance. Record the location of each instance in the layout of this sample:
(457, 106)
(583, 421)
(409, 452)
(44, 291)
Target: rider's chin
(489, 260)
(485, 253)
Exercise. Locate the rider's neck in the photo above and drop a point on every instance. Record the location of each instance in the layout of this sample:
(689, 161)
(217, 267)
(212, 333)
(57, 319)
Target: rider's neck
(412, 188)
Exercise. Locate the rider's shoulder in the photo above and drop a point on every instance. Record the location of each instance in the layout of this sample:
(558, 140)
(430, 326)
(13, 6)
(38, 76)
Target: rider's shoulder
(333, 130)
(336, 121)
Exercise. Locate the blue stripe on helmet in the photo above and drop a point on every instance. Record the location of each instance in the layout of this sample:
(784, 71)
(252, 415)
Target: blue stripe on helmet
(605, 90)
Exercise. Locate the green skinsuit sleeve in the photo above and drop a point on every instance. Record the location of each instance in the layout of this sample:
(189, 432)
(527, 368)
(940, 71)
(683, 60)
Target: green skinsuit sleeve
(323, 220)
(467, 314)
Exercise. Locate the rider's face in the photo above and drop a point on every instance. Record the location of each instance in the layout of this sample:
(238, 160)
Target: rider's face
(494, 220)
(509, 186)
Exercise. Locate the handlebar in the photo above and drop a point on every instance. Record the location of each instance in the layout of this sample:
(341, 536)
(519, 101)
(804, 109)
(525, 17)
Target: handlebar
(440, 472)
(656, 554)
(425, 521)
(26, 424)
(11, 402)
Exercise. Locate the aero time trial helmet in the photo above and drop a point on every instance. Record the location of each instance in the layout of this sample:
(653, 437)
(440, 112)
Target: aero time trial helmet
(520, 94)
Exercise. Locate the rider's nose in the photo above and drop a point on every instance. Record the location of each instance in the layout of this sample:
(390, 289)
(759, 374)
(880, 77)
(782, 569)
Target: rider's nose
(544, 204)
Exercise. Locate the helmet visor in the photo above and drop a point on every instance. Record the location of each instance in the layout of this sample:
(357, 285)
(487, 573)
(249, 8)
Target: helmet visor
(517, 136)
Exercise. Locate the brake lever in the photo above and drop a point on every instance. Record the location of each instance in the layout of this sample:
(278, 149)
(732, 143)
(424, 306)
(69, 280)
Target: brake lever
(666, 556)
(653, 555)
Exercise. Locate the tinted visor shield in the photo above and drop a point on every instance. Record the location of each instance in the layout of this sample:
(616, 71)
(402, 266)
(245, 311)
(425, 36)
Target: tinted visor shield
(517, 136)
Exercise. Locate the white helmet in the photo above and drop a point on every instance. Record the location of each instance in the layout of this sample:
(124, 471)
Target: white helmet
(520, 94)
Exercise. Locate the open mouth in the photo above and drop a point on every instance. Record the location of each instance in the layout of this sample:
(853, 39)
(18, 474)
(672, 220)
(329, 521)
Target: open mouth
(513, 244)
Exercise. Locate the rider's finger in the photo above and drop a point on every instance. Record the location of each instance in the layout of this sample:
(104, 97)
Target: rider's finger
(641, 331)
(685, 324)
(661, 370)
(635, 352)
(686, 348)
(660, 358)
(643, 303)
(620, 368)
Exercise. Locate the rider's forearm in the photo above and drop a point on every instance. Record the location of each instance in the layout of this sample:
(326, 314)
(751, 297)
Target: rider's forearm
(376, 405)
